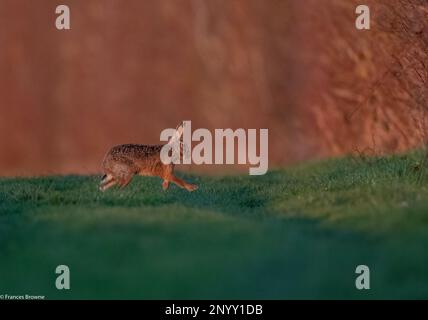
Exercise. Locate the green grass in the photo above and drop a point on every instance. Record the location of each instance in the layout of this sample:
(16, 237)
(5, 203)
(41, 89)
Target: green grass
(293, 233)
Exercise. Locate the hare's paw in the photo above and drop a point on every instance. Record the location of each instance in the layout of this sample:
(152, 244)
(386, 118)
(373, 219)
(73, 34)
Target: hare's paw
(191, 187)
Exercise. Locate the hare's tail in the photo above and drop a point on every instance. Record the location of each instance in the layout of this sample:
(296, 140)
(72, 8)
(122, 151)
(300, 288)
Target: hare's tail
(103, 178)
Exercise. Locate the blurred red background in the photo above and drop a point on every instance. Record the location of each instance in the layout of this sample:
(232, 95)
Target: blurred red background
(128, 69)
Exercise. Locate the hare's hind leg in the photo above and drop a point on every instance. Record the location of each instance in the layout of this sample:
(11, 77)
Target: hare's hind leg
(107, 182)
(123, 170)
(122, 181)
(108, 185)
(125, 180)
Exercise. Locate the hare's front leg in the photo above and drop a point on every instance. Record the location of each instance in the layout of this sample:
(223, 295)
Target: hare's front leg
(165, 185)
(168, 176)
(183, 184)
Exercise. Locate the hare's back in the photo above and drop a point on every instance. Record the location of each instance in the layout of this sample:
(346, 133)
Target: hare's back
(132, 153)
(135, 150)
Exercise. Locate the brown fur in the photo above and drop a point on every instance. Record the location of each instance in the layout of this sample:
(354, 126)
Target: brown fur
(123, 162)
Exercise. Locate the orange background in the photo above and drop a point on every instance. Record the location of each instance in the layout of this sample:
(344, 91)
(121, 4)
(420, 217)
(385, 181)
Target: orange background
(128, 69)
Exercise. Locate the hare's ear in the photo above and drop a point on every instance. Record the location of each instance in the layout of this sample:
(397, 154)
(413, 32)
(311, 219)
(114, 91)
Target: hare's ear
(177, 135)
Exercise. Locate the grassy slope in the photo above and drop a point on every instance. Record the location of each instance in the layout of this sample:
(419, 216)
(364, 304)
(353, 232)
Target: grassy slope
(295, 233)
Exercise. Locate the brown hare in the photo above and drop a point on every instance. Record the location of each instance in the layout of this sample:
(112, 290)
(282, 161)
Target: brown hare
(125, 161)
